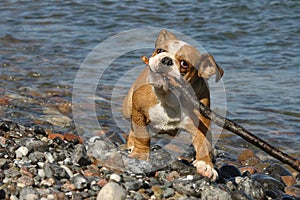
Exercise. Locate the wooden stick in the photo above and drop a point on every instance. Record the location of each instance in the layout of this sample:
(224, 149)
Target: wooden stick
(185, 90)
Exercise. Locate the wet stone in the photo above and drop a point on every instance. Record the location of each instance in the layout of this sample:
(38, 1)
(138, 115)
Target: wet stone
(248, 158)
(269, 182)
(277, 171)
(187, 186)
(182, 167)
(229, 171)
(251, 187)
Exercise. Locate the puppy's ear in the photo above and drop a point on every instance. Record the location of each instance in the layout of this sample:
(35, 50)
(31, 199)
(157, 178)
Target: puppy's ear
(163, 36)
(209, 67)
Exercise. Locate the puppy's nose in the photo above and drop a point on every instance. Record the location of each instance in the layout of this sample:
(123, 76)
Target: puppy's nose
(167, 61)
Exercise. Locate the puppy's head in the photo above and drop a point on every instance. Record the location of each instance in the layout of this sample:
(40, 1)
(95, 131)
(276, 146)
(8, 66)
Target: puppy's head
(179, 59)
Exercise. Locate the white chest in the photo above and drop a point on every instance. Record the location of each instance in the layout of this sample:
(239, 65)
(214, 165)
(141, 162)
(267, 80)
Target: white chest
(165, 118)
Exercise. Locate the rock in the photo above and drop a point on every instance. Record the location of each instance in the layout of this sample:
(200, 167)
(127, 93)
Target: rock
(168, 192)
(135, 185)
(108, 155)
(115, 177)
(248, 169)
(28, 193)
(269, 182)
(102, 182)
(251, 188)
(288, 180)
(37, 145)
(3, 162)
(112, 191)
(36, 156)
(41, 173)
(213, 192)
(68, 170)
(68, 187)
(158, 191)
(21, 152)
(80, 155)
(293, 191)
(48, 182)
(182, 167)
(172, 175)
(79, 181)
(277, 171)
(187, 186)
(229, 171)
(49, 157)
(240, 195)
(248, 158)
(56, 120)
(2, 194)
(138, 196)
(72, 137)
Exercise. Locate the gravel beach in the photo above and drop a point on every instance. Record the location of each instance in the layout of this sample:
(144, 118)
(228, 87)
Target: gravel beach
(39, 164)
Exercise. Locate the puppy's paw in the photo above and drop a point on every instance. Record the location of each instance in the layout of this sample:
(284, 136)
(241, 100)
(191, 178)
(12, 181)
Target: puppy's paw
(205, 169)
(141, 155)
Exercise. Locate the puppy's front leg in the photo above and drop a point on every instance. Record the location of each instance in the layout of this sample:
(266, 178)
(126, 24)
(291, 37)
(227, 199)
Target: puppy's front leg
(202, 145)
(139, 140)
(203, 161)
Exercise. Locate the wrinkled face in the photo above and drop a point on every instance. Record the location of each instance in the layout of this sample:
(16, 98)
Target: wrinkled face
(174, 58)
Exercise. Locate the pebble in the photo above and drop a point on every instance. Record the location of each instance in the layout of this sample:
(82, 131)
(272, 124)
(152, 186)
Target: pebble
(112, 191)
(115, 177)
(168, 192)
(21, 152)
(248, 158)
(251, 188)
(229, 171)
(79, 181)
(80, 156)
(293, 191)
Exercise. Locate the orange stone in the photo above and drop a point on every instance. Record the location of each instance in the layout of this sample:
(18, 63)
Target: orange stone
(71, 137)
(51, 136)
(288, 180)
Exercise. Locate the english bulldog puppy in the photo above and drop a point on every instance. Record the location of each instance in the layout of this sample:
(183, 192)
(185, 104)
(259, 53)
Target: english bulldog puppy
(150, 104)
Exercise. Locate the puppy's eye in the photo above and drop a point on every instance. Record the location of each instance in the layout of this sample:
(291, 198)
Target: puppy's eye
(184, 64)
(159, 50)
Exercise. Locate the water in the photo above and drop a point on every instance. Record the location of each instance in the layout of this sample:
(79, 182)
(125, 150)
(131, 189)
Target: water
(42, 46)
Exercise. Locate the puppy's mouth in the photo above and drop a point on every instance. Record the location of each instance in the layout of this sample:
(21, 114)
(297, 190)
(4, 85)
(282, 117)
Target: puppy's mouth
(159, 80)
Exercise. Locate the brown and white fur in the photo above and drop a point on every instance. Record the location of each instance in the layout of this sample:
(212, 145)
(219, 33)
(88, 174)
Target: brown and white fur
(147, 104)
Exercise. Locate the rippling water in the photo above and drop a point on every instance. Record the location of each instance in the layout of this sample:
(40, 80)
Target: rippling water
(42, 46)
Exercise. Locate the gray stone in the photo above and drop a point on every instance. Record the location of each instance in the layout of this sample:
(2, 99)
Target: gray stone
(79, 181)
(251, 188)
(135, 185)
(213, 192)
(36, 157)
(112, 191)
(80, 155)
(169, 192)
(37, 145)
(28, 193)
